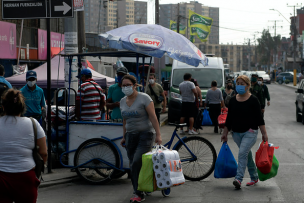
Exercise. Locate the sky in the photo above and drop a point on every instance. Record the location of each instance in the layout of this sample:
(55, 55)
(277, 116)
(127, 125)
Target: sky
(245, 18)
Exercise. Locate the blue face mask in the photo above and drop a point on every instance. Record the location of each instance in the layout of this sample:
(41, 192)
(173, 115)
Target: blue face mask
(119, 77)
(241, 89)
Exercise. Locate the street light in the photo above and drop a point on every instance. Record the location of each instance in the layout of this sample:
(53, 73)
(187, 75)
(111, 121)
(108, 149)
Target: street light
(280, 14)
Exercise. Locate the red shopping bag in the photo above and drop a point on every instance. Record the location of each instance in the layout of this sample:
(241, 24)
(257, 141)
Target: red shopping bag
(222, 118)
(264, 157)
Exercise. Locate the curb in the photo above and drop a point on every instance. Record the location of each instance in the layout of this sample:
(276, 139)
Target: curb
(165, 122)
(46, 184)
(293, 87)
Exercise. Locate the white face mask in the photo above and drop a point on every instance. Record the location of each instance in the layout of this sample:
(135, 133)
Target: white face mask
(31, 83)
(260, 82)
(127, 90)
(151, 81)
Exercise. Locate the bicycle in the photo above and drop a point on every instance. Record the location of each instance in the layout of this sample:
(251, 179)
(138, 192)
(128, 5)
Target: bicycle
(99, 160)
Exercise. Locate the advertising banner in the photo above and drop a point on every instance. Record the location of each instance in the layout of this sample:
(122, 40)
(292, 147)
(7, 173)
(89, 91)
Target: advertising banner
(8, 40)
(57, 40)
(173, 26)
(199, 25)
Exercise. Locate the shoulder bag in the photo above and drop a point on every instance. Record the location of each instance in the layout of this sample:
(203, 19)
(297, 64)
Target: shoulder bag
(37, 158)
(159, 99)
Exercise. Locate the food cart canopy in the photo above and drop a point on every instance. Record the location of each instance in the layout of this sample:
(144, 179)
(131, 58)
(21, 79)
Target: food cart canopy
(57, 77)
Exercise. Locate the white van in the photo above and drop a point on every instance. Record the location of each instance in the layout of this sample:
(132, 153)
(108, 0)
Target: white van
(203, 75)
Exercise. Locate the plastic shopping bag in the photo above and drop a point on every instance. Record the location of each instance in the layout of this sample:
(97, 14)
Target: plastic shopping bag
(222, 118)
(273, 171)
(264, 157)
(206, 118)
(225, 165)
(168, 169)
(146, 180)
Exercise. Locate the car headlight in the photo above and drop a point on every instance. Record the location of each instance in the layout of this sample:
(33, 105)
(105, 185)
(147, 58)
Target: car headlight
(176, 96)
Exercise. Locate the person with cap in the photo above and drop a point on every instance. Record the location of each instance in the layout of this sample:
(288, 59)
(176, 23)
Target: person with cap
(115, 94)
(91, 97)
(265, 91)
(34, 97)
(257, 91)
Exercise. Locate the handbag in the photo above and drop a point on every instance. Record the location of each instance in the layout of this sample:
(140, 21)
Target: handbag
(225, 165)
(146, 178)
(264, 157)
(101, 108)
(159, 99)
(273, 171)
(206, 118)
(37, 158)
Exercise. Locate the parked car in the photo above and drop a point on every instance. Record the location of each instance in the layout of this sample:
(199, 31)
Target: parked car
(300, 102)
(266, 78)
(287, 75)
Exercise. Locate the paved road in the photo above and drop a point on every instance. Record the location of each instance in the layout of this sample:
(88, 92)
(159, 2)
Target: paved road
(287, 186)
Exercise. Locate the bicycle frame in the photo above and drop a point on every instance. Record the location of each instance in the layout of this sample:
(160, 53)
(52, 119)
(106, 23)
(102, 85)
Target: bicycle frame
(168, 145)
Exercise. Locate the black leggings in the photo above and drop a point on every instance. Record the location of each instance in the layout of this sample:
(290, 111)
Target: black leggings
(214, 112)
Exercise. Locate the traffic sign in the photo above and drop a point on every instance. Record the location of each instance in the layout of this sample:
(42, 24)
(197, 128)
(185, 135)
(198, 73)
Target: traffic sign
(61, 8)
(29, 9)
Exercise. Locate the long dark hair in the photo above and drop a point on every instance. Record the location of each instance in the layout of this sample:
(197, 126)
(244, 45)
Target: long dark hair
(13, 103)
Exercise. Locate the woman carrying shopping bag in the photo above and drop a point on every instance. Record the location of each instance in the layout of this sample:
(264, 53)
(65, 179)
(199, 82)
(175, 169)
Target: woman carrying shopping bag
(140, 128)
(244, 118)
(215, 100)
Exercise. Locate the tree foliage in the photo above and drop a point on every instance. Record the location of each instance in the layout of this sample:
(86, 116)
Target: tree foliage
(268, 45)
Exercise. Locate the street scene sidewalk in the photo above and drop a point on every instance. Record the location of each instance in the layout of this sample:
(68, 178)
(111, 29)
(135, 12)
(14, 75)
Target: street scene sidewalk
(64, 175)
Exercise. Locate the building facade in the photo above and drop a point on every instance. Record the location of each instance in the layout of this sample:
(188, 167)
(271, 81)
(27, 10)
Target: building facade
(104, 15)
(234, 55)
(170, 12)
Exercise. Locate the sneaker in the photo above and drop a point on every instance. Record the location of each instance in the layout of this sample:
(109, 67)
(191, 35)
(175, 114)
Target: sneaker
(181, 132)
(237, 183)
(192, 132)
(137, 199)
(252, 182)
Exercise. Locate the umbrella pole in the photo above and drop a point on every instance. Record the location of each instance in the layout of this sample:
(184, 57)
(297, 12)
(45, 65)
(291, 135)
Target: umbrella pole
(143, 75)
(148, 74)
(137, 61)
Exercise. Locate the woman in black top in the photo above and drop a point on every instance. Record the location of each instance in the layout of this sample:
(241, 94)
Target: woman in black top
(244, 118)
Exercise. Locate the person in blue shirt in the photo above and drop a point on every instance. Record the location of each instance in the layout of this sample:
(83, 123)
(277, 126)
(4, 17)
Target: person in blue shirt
(2, 79)
(34, 96)
(115, 94)
(4, 86)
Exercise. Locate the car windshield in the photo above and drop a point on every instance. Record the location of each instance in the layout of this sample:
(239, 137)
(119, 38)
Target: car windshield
(204, 76)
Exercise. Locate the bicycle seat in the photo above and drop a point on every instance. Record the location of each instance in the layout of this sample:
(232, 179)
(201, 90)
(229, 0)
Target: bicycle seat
(178, 124)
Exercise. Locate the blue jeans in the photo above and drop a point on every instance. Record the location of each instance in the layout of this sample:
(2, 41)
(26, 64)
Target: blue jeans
(245, 142)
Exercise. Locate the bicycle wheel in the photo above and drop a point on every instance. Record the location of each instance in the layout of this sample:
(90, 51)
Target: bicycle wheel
(206, 156)
(96, 172)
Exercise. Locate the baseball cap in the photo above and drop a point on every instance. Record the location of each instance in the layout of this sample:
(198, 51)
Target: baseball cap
(84, 72)
(123, 70)
(31, 74)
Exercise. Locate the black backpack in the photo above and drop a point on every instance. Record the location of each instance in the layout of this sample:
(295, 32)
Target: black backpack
(3, 88)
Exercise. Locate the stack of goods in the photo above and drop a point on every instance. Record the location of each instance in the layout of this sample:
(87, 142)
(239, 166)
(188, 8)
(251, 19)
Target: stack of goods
(167, 168)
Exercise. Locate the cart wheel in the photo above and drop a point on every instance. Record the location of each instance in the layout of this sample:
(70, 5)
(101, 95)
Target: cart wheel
(94, 171)
(166, 192)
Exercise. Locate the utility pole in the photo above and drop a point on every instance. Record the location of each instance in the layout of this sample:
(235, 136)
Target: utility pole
(275, 25)
(178, 19)
(294, 42)
(71, 47)
(157, 12)
(249, 57)
(81, 31)
(99, 16)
